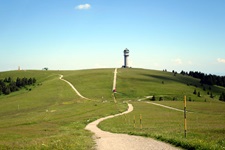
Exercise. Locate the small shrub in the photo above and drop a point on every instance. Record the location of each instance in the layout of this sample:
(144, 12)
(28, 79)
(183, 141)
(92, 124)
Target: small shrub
(153, 98)
(195, 92)
(199, 94)
(204, 89)
(189, 99)
(211, 95)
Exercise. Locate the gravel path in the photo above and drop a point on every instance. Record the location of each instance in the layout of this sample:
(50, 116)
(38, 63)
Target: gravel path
(114, 80)
(165, 106)
(110, 141)
(78, 93)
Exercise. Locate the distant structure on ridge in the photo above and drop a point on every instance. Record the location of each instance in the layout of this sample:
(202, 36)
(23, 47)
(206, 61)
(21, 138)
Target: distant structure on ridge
(126, 54)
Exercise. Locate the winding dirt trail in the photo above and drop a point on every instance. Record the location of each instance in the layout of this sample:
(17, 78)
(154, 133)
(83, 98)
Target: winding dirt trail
(71, 85)
(114, 80)
(111, 141)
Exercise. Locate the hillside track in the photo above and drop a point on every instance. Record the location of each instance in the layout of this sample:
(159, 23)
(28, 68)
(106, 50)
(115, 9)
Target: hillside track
(111, 141)
(71, 85)
(114, 80)
(180, 110)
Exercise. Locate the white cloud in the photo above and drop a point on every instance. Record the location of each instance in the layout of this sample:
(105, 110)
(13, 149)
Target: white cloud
(177, 61)
(83, 6)
(221, 60)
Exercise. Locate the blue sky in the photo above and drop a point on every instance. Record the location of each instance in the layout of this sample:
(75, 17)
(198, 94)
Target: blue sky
(79, 34)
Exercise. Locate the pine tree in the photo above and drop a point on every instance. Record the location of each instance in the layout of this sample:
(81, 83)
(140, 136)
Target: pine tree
(195, 92)
(153, 97)
(5, 80)
(9, 79)
(211, 95)
(30, 81)
(222, 97)
(18, 82)
(199, 94)
(34, 80)
(6, 90)
(204, 88)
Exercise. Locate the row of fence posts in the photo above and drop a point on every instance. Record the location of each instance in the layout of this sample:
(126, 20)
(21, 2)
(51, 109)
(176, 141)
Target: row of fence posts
(140, 121)
(185, 119)
(135, 121)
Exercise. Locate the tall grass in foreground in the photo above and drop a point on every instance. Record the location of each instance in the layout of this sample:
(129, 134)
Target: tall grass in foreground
(206, 127)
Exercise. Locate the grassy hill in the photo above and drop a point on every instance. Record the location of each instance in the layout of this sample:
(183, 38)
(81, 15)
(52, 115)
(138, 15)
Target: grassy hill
(52, 116)
(137, 83)
(205, 120)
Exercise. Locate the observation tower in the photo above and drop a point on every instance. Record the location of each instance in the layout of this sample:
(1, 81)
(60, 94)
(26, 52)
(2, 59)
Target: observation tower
(126, 54)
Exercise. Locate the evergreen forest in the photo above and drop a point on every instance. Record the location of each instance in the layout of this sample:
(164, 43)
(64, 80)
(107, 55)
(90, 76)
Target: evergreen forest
(9, 85)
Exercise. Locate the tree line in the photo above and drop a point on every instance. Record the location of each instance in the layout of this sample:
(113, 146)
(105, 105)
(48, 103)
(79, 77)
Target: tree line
(208, 79)
(8, 85)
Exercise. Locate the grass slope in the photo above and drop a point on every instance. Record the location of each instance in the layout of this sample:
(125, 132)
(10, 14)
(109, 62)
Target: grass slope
(137, 83)
(52, 116)
(95, 84)
(206, 123)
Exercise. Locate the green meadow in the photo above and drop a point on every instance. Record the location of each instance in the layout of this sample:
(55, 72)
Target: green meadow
(205, 117)
(52, 116)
